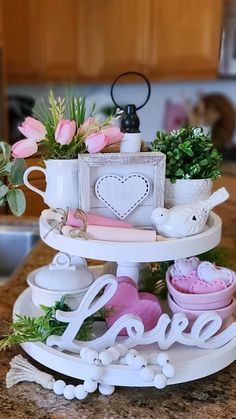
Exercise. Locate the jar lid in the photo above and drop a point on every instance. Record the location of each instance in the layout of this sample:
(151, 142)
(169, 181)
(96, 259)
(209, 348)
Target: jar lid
(63, 275)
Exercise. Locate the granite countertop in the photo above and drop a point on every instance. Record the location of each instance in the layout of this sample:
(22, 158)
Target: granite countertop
(211, 397)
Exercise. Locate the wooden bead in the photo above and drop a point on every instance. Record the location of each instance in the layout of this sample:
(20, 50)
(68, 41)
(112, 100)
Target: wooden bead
(160, 381)
(69, 392)
(122, 349)
(139, 362)
(90, 385)
(115, 353)
(106, 389)
(58, 387)
(162, 359)
(169, 370)
(106, 357)
(95, 372)
(147, 374)
(80, 392)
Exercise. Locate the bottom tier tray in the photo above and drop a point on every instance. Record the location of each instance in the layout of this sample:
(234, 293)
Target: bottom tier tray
(190, 363)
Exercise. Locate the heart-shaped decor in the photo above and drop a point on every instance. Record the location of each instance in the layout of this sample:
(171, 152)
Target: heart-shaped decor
(183, 267)
(191, 284)
(122, 194)
(127, 300)
(208, 272)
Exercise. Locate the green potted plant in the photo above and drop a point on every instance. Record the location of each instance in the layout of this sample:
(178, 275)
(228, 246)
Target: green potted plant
(192, 163)
(11, 177)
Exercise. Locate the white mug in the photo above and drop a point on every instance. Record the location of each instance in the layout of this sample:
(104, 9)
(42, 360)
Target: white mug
(61, 183)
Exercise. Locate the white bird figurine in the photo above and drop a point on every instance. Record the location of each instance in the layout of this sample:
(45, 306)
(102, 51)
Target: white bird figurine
(186, 220)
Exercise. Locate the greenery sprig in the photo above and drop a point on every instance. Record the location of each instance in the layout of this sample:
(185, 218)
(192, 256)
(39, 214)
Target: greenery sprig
(190, 154)
(11, 177)
(38, 329)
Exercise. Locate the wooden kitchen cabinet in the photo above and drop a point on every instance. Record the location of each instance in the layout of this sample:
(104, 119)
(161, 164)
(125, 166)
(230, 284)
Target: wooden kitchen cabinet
(113, 37)
(185, 38)
(18, 30)
(95, 40)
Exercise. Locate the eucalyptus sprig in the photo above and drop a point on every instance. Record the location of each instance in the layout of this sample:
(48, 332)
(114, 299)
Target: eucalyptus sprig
(190, 154)
(38, 329)
(11, 177)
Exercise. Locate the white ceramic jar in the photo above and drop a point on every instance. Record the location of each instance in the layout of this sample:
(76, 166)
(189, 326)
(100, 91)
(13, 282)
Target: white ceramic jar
(66, 275)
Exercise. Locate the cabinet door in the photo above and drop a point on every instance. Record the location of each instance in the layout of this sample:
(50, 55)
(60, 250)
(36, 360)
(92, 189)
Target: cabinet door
(185, 38)
(112, 37)
(55, 28)
(18, 39)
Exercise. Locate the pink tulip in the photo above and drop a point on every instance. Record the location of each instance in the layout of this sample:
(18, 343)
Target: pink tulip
(90, 124)
(96, 142)
(33, 129)
(65, 131)
(113, 134)
(24, 148)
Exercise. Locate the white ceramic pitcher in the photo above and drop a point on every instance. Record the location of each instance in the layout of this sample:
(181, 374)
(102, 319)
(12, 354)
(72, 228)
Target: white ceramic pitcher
(61, 183)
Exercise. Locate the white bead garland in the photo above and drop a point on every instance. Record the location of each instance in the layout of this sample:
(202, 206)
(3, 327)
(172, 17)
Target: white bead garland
(97, 362)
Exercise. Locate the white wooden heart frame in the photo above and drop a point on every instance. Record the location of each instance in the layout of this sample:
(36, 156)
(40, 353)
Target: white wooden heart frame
(149, 166)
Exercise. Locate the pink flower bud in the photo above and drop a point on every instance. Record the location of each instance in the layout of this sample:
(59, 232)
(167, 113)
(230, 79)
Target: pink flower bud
(90, 124)
(113, 134)
(96, 142)
(33, 129)
(24, 148)
(65, 131)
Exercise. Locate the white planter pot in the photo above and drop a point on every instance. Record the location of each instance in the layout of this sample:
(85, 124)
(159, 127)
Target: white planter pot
(61, 183)
(186, 191)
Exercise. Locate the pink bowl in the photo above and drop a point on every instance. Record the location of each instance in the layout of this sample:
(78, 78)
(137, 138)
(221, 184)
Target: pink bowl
(212, 301)
(225, 313)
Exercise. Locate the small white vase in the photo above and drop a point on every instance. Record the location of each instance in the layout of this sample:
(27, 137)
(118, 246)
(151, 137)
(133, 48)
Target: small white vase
(62, 189)
(186, 191)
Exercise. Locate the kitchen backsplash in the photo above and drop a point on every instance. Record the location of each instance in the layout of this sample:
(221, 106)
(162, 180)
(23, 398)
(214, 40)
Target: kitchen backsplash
(152, 115)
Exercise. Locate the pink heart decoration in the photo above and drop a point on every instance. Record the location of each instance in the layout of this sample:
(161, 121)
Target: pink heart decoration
(202, 287)
(127, 300)
(208, 272)
(186, 265)
(191, 284)
(184, 283)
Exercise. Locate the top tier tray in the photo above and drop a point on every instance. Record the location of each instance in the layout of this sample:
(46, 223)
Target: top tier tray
(136, 251)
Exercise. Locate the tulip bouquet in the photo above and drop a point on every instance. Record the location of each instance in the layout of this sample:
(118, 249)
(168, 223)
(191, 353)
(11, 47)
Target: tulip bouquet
(63, 130)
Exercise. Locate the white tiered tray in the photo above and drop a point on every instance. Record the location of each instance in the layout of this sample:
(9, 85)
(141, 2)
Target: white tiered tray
(135, 251)
(190, 363)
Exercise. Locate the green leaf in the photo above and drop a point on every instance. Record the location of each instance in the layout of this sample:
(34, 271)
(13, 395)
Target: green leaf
(18, 168)
(5, 148)
(179, 172)
(3, 190)
(16, 201)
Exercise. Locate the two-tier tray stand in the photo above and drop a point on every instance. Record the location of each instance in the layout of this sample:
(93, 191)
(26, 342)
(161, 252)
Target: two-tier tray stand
(192, 355)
